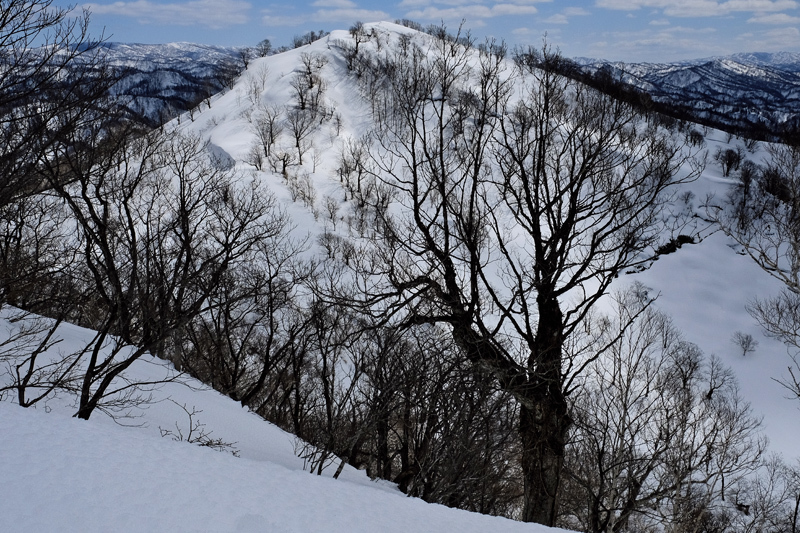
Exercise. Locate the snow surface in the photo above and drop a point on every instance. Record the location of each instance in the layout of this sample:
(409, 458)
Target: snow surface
(63, 474)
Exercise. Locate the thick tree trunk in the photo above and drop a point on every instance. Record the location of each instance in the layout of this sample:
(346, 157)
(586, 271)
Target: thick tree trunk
(545, 421)
(384, 464)
(543, 432)
(544, 415)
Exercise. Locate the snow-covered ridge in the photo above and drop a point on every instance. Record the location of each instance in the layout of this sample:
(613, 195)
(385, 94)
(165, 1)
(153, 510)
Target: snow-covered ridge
(704, 287)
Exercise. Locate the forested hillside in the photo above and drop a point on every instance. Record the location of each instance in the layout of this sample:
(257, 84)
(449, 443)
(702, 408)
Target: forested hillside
(429, 259)
(753, 95)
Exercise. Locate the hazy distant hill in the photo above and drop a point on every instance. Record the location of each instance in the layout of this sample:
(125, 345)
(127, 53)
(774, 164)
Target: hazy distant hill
(754, 91)
(164, 80)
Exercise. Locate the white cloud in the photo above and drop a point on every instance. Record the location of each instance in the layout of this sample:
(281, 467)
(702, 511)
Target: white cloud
(471, 12)
(655, 44)
(269, 19)
(564, 16)
(775, 18)
(214, 14)
(576, 12)
(659, 22)
(700, 8)
(557, 19)
(513, 9)
(430, 3)
(350, 15)
(342, 14)
(341, 4)
(792, 34)
(775, 40)
(496, 6)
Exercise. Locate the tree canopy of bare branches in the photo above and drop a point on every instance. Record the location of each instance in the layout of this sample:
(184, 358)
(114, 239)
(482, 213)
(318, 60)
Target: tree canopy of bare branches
(762, 214)
(52, 80)
(523, 195)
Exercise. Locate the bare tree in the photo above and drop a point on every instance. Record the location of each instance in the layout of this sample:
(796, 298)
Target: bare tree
(35, 365)
(308, 38)
(54, 82)
(509, 205)
(256, 83)
(268, 126)
(660, 432)
(301, 126)
(263, 48)
(335, 426)
(245, 54)
(159, 223)
(729, 159)
(770, 501)
(767, 226)
(351, 52)
(244, 339)
(195, 432)
(35, 254)
(746, 343)
(740, 195)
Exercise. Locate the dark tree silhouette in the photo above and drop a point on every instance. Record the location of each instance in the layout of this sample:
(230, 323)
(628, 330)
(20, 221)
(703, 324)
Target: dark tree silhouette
(518, 212)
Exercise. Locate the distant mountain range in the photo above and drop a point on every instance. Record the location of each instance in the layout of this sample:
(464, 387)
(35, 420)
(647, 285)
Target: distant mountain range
(165, 80)
(756, 93)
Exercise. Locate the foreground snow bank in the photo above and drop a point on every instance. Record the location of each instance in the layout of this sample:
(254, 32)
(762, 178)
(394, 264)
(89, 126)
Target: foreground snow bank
(63, 474)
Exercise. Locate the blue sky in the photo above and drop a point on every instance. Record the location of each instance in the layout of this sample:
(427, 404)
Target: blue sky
(627, 30)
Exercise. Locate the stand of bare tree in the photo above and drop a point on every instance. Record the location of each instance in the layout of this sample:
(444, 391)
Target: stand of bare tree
(524, 195)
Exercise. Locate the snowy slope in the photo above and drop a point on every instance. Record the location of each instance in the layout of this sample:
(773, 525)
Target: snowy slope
(62, 474)
(96, 476)
(65, 474)
(705, 287)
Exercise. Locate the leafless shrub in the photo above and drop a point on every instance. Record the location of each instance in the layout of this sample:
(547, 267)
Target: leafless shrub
(195, 432)
(302, 189)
